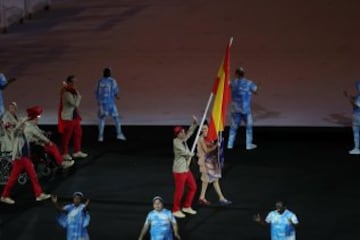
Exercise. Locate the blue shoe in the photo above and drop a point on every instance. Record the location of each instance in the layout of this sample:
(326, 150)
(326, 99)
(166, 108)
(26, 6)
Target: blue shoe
(225, 202)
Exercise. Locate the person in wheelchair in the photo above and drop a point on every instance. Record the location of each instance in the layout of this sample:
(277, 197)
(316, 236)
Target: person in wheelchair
(39, 147)
(41, 142)
(21, 157)
(8, 123)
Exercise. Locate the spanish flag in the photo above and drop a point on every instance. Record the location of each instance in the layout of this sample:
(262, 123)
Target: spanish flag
(221, 92)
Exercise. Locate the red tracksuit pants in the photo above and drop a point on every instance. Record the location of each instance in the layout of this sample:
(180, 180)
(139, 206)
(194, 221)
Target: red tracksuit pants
(182, 180)
(71, 128)
(53, 150)
(19, 165)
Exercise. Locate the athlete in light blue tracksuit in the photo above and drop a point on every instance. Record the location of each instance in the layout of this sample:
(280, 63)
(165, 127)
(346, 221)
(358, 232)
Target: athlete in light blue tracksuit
(106, 92)
(355, 101)
(3, 83)
(241, 91)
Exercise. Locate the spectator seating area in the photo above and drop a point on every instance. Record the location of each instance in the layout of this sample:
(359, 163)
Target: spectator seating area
(19, 11)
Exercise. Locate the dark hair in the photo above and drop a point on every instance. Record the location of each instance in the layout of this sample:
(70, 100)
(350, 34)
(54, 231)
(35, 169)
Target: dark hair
(282, 201)
(204, 124)
(70, 79)
(240, 72)
(107, 72)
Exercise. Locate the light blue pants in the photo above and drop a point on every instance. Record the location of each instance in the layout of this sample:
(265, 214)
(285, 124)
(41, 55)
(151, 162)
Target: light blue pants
(236, 119)
(356, 130)
(102, 126)
(2, 110)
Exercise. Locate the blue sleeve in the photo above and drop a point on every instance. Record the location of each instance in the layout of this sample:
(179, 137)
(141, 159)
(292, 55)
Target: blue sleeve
(269, 217)
(115, 88)
(357, 101)
(233, 88)
(86, 221)
(253, 87)
(171, 217)
(3, 80)
(62, 220)
(148, 218)
(294, 218)
(67, 207)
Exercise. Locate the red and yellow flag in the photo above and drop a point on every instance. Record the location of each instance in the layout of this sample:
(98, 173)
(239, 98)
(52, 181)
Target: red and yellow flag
(221, 91)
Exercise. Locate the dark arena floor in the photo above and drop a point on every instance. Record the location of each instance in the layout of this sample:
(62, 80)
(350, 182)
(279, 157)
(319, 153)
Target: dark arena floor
(308, 167)
(165, 56)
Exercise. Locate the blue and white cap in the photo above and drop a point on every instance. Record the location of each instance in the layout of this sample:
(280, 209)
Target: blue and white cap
(158, 198)
(79, 194)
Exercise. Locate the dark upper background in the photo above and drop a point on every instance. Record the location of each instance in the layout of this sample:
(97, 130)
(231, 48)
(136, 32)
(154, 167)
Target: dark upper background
(165, 55)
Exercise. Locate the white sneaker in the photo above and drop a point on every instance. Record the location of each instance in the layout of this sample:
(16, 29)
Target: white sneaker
(67, 164)
(67, 157)
(100, 139)
(43, 197)
(189, 211)
(355, 151)
(7, 200)
(121, 136)
(80, 154)
(179, 214)
(229, 147)
(251, 146)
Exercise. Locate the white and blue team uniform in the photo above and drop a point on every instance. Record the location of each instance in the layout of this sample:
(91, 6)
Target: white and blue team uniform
(356, 120)
(280, 226)
(75, 220)
(241, 92)
(160, 224)
(3, 82)
(106, 91)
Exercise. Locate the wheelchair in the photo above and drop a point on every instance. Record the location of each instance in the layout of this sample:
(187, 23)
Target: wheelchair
(5, 167)
(44, 165)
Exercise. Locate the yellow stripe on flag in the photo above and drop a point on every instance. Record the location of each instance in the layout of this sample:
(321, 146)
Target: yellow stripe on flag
(221, 92)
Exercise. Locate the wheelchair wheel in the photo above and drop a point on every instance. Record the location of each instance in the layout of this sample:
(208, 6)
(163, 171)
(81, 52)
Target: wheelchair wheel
(22, 179)
(46, 171)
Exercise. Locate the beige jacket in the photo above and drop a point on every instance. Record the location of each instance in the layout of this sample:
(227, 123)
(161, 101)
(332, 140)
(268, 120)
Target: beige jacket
(182, 153)
(25, 132)
(9, 122)
(34, 134)
(69, 103)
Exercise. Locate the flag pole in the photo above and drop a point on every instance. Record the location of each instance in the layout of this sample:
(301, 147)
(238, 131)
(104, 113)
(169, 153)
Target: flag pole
(220, 141)
(202, 122)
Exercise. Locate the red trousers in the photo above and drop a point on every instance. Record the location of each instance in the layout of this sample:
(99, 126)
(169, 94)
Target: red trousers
(71, 127)
(182, 179)
(53, 150)
(18, 166)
